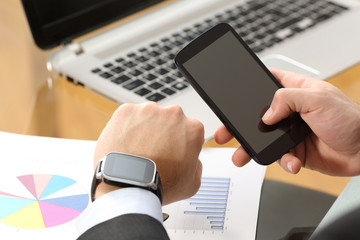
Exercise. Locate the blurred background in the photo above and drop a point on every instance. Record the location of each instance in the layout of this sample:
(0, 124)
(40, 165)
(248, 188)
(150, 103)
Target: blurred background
(33, 102)
(22, 68)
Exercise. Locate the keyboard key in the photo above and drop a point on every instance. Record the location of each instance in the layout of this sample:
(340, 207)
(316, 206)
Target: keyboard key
(177, 43)
(118, 70)
(131, 55)
(295, 29)
(168, 80)
(289, 23)
(268, 43)
(130, 64)
(106, 75)
(160, 61)
(156, 85)
(134, 84)
(168, 91)
(147, 67)
(96, 70)
(176, 35)
(154, 45)
(156, 97)
(119, 60)
(179, 86)
(189, 38)
(121, 79)
(323, 17)
(107, 65)
(165, 48)
(142, 49)
(142, 91)
(142, 59)
(259, 36)
(135, 72)
(154, 53)
(254, 6)
(178, 74)
(149, 76)
(249, 41)
(171, 56)
(162, 71)
(172, 66)
(257, 49)
(276, 40)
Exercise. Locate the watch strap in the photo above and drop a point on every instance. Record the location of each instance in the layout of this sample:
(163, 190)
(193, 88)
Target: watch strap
(95, 182)
(158, 192)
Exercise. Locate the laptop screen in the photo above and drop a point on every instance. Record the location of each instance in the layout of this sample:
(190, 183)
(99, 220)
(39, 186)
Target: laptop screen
(59, 21)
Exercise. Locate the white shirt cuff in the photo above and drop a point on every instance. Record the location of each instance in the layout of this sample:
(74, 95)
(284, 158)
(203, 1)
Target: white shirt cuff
(119, 202)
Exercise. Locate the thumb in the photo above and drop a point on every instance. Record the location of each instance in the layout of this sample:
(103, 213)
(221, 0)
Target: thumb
(286, 101)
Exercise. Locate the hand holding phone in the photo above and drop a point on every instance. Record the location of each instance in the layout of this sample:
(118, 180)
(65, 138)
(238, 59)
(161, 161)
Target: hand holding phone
(237, 86)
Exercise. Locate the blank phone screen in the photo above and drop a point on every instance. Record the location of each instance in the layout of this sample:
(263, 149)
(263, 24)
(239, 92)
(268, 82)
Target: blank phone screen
(238, 86)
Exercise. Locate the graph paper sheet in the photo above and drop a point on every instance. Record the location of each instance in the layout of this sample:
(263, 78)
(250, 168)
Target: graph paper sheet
(226, 205)
(41, 178)
(44, 186)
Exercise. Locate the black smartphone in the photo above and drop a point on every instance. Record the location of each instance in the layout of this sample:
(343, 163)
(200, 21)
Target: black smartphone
(239, 89)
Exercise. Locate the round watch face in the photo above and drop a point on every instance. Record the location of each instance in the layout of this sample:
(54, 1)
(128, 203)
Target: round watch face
(129, 168)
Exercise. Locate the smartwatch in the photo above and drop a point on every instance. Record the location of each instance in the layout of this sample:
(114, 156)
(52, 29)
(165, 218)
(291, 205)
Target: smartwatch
(126, 170)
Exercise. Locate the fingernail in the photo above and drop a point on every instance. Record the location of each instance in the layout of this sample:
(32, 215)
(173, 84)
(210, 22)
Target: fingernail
(267, 114)
(289, 167)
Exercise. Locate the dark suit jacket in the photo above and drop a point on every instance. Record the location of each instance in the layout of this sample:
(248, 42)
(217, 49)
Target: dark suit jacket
(138, 226)
(346, 227)
(127, 227)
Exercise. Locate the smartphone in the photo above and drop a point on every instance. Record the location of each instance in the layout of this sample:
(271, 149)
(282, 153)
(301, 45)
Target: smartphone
(238, 87)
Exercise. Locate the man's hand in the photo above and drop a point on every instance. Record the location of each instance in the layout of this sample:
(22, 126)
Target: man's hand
(333, 147)
(163, 134)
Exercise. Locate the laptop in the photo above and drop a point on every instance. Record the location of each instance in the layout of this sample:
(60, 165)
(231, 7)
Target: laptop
(133, 61)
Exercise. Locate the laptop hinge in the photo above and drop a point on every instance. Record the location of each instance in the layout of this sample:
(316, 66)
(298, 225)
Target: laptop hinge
(74, 47)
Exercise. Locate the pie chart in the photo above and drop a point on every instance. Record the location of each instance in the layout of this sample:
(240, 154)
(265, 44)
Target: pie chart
(41, 201)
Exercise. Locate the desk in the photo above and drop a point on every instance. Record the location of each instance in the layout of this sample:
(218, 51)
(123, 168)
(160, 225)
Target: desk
(65, 110)
(32, 104)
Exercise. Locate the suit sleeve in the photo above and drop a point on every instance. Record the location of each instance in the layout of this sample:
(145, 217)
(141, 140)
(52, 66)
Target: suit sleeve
(127, 227)
(140, 207)
(345, 227)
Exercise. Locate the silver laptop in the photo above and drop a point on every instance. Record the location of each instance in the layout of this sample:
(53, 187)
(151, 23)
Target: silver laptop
(133, 62)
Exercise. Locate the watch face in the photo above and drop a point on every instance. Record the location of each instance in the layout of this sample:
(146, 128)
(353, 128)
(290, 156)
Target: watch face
(129, 167)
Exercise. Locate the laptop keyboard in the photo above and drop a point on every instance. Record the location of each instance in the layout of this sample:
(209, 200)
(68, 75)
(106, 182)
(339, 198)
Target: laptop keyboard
(150, 71)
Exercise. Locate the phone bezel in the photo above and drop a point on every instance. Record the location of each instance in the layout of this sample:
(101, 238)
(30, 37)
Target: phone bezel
(274, 150)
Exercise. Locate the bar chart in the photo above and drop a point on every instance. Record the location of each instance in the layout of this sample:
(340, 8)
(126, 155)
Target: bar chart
(206, 210)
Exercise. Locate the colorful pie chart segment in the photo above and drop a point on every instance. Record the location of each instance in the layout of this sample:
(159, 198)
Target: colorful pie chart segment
(56, 200)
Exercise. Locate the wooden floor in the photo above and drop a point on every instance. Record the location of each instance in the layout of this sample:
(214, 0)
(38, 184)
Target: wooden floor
(31, 102)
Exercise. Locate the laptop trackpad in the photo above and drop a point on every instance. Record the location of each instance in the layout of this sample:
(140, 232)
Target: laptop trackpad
(288, 64)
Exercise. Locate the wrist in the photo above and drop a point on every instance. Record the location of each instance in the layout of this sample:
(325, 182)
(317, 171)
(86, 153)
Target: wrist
(118, 170)
(104, 188)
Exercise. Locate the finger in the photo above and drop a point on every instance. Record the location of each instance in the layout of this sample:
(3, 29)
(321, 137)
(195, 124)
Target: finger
(291, 79)
(290, 163)
(240, 157)
(197, 128)
(288, 100)
(222, 135)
